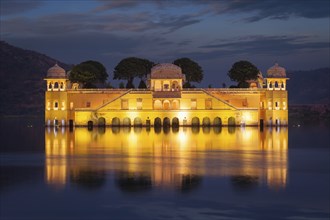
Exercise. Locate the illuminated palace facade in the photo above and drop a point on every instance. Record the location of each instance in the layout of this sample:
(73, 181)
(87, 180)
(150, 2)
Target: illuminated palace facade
(165, 102)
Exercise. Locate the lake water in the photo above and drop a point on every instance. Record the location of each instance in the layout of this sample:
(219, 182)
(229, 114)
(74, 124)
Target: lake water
(185, 173)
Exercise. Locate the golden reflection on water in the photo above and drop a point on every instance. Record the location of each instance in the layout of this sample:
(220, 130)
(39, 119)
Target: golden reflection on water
(180, 158)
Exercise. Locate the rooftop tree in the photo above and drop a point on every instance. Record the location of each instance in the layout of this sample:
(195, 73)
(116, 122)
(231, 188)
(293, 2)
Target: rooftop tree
(242, 71)
(88, 73)
(131, 67)
(192, 70)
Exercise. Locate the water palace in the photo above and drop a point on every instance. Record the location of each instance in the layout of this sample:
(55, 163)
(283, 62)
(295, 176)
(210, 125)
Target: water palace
(166, 103)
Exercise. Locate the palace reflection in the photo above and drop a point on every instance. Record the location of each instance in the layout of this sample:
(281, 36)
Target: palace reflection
(142, 159)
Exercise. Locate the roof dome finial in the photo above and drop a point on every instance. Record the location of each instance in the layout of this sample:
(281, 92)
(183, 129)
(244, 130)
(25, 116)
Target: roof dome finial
(56, 72)
(276, 71)
(166, 71)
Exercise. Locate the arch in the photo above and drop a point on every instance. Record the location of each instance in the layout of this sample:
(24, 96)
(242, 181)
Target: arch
(137, 122)
(231, 121)
(217, 121)
(127, 122)
(115, 122)
(195, 121)
(175, 86)
(158, 122)
(175, 104)
(56, 85)
(270, 85)
(101, 121)
(61, 85)
(90, 125)
(175, 122)
(276, 84)
(206, 121)
(50, 86)
(166, 105)
(166, 122)
(157, 104)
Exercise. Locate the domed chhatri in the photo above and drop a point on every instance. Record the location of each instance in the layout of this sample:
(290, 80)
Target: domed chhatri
(166, 71)
(276, 71)
(56, 72)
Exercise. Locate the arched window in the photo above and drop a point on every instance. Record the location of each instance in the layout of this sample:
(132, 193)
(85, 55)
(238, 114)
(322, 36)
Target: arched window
(175, 86)
(61, 86)
(55, 105)
(166, 105)
(195, 121)
(157, 104)
(50, 86)
(158, 122)
(270, 85)
(217, 121)
(175, 104)
(56, 85)
(206, 121)
(167, 122)
(137, 122)
(115, 121)
(90, 125)
(101, 122)
(127, 122)
(175, 122)
(231, 121)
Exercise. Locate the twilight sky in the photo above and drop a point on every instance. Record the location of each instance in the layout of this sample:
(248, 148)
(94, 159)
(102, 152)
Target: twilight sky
(295, 33)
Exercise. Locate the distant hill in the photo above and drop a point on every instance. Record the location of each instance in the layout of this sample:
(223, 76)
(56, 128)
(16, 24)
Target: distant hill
(309, 87)
(22, 86)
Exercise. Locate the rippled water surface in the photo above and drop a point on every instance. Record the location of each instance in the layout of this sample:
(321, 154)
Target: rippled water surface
(184, 173)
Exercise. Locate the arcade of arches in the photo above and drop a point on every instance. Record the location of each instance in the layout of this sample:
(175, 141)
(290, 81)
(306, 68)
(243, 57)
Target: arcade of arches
(158, 121)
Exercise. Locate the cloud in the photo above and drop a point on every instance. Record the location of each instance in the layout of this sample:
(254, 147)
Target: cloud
(110, 5)
(10, 7)
(63, 23)
(258, 45)
(107, 5)
(258, 9)
(272, 9)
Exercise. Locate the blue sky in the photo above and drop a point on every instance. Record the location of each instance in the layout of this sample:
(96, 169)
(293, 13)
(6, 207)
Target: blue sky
(215, 34)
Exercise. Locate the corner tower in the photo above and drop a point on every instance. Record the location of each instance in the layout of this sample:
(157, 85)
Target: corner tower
(276, 96)
(56, 97)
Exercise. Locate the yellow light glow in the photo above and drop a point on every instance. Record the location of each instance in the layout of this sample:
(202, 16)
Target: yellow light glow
(246, 117)
(182, 115)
